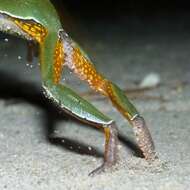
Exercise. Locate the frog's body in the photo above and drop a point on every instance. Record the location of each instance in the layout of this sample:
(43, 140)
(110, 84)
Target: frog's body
(37, 20)
(41, 11)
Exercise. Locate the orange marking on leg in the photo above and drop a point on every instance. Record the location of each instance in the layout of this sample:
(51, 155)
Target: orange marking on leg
(35, 30)
(58, 60)
(87, 71)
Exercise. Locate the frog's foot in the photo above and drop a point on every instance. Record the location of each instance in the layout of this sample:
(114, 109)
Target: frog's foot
(111, 157)
(103, 168)
(144, 139)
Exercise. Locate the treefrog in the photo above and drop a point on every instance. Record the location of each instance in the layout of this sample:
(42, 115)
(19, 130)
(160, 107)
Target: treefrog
(37, 20)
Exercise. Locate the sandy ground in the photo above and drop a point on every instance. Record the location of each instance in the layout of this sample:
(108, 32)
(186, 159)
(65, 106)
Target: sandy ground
(125, 54)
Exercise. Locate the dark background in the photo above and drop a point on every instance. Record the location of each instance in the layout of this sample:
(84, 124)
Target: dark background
(166, 16)
(118, 8)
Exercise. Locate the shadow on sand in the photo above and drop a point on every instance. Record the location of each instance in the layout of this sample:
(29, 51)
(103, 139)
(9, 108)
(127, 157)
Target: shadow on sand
(13, 90)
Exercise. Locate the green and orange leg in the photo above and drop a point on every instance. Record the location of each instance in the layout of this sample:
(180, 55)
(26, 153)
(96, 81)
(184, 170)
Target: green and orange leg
(76, 106)
(28, 29)
(77, 61)
(52, 56)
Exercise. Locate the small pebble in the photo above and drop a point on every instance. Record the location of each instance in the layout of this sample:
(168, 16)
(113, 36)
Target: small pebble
(19, 57)
(150, 80)
(6, 39)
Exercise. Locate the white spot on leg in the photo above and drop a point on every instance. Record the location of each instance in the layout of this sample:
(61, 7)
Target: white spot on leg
(68, 50)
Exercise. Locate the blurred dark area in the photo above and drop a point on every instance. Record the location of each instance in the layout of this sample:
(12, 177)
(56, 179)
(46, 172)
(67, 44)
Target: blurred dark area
(166, 16)
(118, 8)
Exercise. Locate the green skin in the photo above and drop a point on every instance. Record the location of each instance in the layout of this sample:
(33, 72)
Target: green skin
(43, 12)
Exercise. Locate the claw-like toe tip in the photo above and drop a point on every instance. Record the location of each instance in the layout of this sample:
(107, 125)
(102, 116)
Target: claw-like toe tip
(97, 171)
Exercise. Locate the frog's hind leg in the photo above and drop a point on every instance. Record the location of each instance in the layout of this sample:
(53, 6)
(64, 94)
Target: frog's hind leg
(77, 61)
(73, 104)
